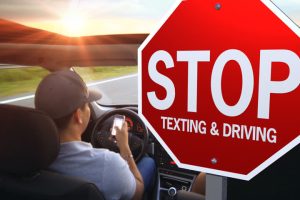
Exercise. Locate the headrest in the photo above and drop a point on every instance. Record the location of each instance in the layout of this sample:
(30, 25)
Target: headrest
(29, 140)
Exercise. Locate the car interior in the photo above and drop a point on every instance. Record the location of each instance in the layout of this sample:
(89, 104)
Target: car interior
(30, 143)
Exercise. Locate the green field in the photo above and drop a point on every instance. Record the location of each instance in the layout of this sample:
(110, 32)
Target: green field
(25, 80)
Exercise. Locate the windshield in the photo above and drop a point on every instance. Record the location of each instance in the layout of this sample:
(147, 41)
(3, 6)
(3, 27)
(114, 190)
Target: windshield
(76, 19)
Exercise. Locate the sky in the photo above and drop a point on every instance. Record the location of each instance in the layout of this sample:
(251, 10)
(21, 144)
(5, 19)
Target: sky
(97, 17)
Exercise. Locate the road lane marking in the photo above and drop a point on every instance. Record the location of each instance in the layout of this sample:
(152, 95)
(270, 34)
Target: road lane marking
(17, 99)
(110, 80)
(89, 85)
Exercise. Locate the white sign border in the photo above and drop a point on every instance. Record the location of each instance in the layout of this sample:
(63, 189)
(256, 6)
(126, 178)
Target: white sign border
(261, 167)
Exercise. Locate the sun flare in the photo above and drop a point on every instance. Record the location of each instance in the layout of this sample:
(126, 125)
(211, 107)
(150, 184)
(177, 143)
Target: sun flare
(73, 24)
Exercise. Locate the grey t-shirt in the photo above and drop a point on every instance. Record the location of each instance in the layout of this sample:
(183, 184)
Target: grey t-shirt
(106, 169)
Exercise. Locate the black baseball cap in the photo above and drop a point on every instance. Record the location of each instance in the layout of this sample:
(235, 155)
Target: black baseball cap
(61, 93)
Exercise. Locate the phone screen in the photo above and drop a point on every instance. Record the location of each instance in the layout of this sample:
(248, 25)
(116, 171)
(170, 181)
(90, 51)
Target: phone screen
(118, 122)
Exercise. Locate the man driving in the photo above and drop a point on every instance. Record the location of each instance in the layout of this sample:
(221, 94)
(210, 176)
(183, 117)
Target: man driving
(65, 98)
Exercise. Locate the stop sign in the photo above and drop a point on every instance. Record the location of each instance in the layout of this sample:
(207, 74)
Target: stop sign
(219, 86)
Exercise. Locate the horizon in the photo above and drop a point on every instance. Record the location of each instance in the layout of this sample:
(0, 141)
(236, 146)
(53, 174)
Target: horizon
(85, 18)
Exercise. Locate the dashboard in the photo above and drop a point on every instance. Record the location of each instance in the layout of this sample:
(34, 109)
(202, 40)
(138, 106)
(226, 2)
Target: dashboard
(170, 178)
(134, 127)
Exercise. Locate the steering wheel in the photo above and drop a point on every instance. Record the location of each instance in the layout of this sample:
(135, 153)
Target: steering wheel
(101, 133)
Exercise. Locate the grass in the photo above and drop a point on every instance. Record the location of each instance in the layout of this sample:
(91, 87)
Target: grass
(25, 80)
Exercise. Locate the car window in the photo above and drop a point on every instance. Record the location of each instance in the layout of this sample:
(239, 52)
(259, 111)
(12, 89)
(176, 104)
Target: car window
(75, 19)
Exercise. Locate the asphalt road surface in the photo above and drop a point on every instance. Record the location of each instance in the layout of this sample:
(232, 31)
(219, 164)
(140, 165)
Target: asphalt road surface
(122, 90)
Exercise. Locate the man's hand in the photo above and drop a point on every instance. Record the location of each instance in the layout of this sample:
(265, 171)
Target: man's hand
(122, 142)
(122, 137)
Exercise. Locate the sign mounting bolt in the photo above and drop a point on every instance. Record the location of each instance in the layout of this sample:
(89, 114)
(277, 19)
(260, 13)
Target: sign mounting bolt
(218, 6)
(214, 161)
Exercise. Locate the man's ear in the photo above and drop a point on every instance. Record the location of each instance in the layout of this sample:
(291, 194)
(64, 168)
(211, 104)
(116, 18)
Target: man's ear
(77, 116)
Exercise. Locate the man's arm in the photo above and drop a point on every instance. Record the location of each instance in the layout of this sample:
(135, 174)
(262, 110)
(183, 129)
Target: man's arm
(199, 184)
(122, 139)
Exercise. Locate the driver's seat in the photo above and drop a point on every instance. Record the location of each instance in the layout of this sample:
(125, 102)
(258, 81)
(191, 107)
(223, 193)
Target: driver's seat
(29, 143)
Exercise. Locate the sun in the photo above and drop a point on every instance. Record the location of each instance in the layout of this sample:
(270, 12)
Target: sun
(73, 24)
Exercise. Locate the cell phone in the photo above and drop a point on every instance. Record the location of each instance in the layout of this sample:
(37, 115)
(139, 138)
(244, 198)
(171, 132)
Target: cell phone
(118, 122)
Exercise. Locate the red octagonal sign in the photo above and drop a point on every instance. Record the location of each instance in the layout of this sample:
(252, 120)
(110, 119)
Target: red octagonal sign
(219, 85)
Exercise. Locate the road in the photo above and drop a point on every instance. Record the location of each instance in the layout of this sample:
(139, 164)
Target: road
(122, 90)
